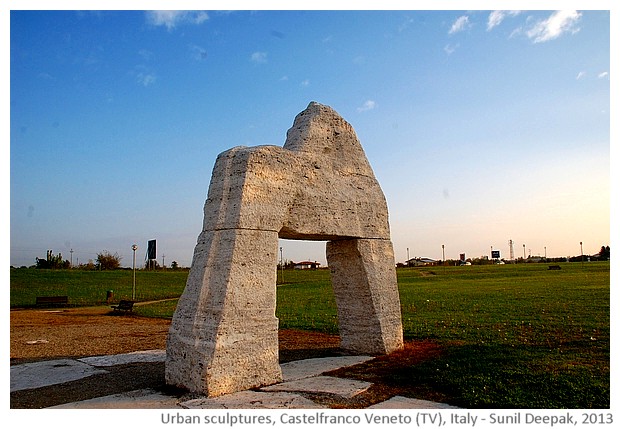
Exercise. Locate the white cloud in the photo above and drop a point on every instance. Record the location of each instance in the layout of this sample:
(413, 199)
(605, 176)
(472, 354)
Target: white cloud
(449, 49)
(368, 105)
(146, 79)
(259, 57)
(581, 75)
(497, 16)
(145, 54)
(198, 52)
(460, 24)
(305, 82)
(558, 23)
(172, 18)
(603, 75)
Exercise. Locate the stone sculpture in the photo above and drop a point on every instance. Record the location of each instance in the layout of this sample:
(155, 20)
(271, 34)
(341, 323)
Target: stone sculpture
(319, 186)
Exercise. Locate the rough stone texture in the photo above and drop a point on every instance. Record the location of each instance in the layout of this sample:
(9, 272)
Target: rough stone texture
(300, 369)
(252, 400)
(125, 358)
(323, 384)
(366, 294)
(402, 403)
(319, 186)
(39, 374)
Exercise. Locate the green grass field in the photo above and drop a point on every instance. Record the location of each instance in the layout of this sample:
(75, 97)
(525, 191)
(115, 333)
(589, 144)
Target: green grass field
(515, 336)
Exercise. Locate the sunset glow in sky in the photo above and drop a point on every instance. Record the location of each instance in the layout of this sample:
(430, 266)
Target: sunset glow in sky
(481, 126)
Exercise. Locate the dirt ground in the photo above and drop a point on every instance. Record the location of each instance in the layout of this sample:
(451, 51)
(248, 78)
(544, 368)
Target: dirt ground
(95, 331)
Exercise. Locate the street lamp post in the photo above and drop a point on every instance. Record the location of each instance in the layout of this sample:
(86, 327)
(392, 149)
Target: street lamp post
(581, 245)
(282, 265)
(133, 294)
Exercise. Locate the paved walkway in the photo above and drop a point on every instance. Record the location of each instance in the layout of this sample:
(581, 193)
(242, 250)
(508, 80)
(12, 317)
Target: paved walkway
(299, 377)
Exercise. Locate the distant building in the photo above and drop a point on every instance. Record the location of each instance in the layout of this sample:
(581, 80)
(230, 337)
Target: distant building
(307, 265)
(420, 262)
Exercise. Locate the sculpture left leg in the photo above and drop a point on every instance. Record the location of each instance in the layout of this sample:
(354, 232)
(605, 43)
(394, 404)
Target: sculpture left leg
(364, 281)
(224, 334)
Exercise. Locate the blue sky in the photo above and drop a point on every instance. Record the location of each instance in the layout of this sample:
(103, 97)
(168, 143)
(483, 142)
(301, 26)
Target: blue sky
(481, 126)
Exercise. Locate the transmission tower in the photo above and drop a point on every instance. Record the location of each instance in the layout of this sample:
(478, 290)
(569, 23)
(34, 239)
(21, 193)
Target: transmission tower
(512, 250)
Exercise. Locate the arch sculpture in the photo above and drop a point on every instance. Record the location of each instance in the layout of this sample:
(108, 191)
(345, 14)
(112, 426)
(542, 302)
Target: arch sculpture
(319, 186)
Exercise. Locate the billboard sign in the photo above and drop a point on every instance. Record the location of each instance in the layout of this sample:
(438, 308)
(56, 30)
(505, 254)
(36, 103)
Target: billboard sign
(151, 251)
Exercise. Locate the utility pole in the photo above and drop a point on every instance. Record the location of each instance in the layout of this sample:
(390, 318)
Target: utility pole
(282, 265)
(71, 251)
(443, 257)
(134, 248)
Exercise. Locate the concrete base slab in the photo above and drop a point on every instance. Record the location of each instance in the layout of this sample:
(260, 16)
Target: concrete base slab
(125, 358)
(252, 400)
(39, 374)
(322, 384)
(299, 376)
(400, 402)
(298, 370)
(136, 399)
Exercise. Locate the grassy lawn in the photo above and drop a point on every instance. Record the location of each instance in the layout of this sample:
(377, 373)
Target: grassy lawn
(88, 288)
(514, 336)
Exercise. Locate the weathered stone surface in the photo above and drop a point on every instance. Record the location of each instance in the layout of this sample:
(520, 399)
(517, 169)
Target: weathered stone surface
(252, 400)
(125, 358)
(403, 403)
(136, 399)
(47, 373)
(319, 186)
(366, 294)
(307, 368)
(323, 384)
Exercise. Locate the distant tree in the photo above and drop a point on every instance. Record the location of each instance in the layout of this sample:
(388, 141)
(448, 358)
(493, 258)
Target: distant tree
(151, 264)
(52, 261)
(90, 265)
(108, 261)
(604, 253)
(174, 265)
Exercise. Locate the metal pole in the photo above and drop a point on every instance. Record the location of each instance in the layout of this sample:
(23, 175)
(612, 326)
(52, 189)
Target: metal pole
(133, 294)
(443, 255)
(581, 244)
(282, 266)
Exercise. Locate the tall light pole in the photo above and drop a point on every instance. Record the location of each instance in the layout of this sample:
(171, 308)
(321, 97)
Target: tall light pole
(134, 248)
(581, 244)
(407, 256)
(443, 254)
(282, 265)
(524, 253)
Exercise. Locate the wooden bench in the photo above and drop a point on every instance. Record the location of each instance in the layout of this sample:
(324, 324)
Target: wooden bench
(123, 305)
(555, 267)
(51, 301)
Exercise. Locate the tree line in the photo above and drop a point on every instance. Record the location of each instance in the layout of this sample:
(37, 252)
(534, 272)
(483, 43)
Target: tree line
(104, 261)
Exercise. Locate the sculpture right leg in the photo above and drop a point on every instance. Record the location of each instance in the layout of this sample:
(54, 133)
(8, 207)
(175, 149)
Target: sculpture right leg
(366, 291)
(224, 333)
